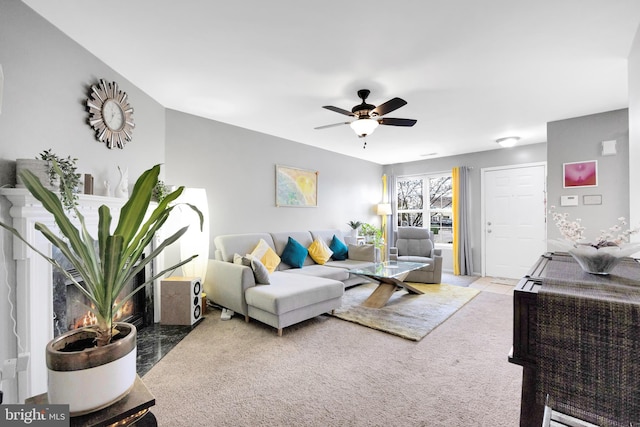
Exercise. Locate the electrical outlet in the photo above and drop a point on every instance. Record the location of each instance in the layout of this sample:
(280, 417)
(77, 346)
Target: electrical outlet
(9, 369)
(23, 362)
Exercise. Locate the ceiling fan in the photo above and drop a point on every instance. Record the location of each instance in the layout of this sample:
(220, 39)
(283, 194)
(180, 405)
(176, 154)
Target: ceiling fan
(368, 116)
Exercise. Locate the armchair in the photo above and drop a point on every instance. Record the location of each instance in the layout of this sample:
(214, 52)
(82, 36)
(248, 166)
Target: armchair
(416, 244)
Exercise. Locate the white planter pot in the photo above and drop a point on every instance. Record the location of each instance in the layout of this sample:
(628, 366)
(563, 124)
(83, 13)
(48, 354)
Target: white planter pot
(94, 378)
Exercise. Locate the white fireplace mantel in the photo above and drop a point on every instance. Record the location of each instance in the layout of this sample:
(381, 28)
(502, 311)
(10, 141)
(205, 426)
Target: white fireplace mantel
(34, 277)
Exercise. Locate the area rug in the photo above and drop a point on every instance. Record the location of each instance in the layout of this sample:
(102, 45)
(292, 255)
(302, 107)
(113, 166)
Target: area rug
(406, 315)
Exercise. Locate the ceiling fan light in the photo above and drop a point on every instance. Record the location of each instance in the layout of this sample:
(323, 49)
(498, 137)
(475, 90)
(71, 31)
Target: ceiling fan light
(364, 127)
(509, 141)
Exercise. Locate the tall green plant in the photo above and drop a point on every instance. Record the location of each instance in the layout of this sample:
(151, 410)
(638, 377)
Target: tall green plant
(108, 264)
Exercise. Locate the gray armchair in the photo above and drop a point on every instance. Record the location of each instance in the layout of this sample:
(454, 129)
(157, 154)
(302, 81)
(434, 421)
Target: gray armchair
(416, 244)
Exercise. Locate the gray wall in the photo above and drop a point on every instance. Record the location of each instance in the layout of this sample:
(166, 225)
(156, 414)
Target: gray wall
(579, 139)
(634, 132)
(484, 159)
(47, 78)
(236, 166)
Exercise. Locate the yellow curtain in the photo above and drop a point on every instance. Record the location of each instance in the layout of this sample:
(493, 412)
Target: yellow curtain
(384, 218)
(455, 185)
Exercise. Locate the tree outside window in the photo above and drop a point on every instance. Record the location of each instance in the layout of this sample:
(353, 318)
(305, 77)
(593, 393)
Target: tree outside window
(412, 192)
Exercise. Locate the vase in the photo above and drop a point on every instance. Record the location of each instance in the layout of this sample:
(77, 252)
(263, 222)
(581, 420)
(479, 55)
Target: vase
(122, 190)
(89, 379)
(601, 260)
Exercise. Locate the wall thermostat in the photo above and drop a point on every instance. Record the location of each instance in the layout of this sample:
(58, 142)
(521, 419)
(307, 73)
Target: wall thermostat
(568, 200)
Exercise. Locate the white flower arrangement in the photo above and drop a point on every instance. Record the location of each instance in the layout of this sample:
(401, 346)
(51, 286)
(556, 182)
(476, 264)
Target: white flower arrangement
(574, 231)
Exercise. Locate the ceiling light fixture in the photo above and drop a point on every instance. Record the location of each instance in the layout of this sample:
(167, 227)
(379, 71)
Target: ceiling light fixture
(364, 127)
(509, 141)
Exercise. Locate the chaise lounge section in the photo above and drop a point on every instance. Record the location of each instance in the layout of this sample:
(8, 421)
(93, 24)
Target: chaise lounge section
(293, 293)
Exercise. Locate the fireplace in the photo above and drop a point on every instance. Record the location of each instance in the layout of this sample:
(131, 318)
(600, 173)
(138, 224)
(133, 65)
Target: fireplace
(71, 308)
(34, 280)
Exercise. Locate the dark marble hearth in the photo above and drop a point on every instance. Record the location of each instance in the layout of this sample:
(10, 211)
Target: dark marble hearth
(155, 341)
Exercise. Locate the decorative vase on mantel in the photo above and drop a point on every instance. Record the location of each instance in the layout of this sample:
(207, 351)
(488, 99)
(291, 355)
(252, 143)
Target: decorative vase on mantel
(122, 190)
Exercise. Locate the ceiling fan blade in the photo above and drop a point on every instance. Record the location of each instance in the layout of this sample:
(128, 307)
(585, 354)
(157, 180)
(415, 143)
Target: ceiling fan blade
(389, 106)
(333, 125)
(397, 122)
(339, 110)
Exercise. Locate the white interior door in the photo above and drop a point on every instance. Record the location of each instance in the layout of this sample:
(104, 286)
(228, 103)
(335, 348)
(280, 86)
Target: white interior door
(514, 219)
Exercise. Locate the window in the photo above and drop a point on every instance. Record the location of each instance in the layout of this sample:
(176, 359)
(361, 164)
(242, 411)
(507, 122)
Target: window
(426, 196)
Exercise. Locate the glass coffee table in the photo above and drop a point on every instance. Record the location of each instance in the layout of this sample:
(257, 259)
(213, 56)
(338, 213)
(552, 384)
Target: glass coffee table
(389, 276)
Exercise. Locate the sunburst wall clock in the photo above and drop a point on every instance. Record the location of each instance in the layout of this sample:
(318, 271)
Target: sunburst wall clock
(110, 114)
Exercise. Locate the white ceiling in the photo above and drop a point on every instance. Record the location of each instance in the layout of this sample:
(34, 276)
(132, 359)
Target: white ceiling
(471, 71)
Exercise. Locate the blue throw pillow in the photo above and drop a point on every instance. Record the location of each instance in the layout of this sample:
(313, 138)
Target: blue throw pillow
(340, 250)
(294, 253)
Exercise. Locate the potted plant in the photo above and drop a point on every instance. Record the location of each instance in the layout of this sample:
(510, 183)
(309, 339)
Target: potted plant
(160, 191)
(372, 234)
(68, 181)
(102, 354)
(354, 227)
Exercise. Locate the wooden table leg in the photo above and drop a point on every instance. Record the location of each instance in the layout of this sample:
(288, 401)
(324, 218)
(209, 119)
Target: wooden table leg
(380, 295)
(531, 411)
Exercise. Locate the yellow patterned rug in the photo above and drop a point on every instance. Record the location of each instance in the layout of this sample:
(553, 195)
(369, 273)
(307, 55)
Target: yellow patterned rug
(407, 315)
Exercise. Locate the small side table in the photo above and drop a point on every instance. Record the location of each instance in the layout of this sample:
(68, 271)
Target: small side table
(133, 408)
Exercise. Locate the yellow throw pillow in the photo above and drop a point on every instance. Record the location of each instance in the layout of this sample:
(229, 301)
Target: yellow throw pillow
(266, 255)
(319, 251)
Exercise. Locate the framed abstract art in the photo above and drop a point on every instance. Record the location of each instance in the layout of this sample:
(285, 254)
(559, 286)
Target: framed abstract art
(296, 187)
(580, 174)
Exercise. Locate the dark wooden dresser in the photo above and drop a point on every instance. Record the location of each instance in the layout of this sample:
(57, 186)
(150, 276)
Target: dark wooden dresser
(525, 298)
(529, 337)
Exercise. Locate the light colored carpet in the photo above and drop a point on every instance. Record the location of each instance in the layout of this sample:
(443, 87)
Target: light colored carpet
(407, 315)
(452, 279)
(328, 372)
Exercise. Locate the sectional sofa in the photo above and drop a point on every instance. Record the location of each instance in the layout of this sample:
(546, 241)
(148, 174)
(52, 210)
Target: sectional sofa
(292, 293)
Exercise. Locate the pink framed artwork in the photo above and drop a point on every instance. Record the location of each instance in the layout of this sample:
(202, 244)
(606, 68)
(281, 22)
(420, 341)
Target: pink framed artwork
(580, 174)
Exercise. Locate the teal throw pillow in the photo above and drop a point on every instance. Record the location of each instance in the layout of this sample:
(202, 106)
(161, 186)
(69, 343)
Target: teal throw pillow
(294, 253)
(340, 250)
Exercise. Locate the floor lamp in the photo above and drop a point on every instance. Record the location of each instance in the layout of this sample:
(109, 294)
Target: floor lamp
(384, 210)
(194, 241)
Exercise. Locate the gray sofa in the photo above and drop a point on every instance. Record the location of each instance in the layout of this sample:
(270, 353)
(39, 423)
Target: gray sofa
(416, 244)
(293, 294)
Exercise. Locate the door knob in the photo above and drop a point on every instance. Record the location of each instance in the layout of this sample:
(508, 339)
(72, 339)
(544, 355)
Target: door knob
(489, 223)
(488, 231)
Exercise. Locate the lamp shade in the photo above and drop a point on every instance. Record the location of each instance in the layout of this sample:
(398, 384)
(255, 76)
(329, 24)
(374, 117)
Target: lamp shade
(364, 127)
(384, 209)
(194, 241)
